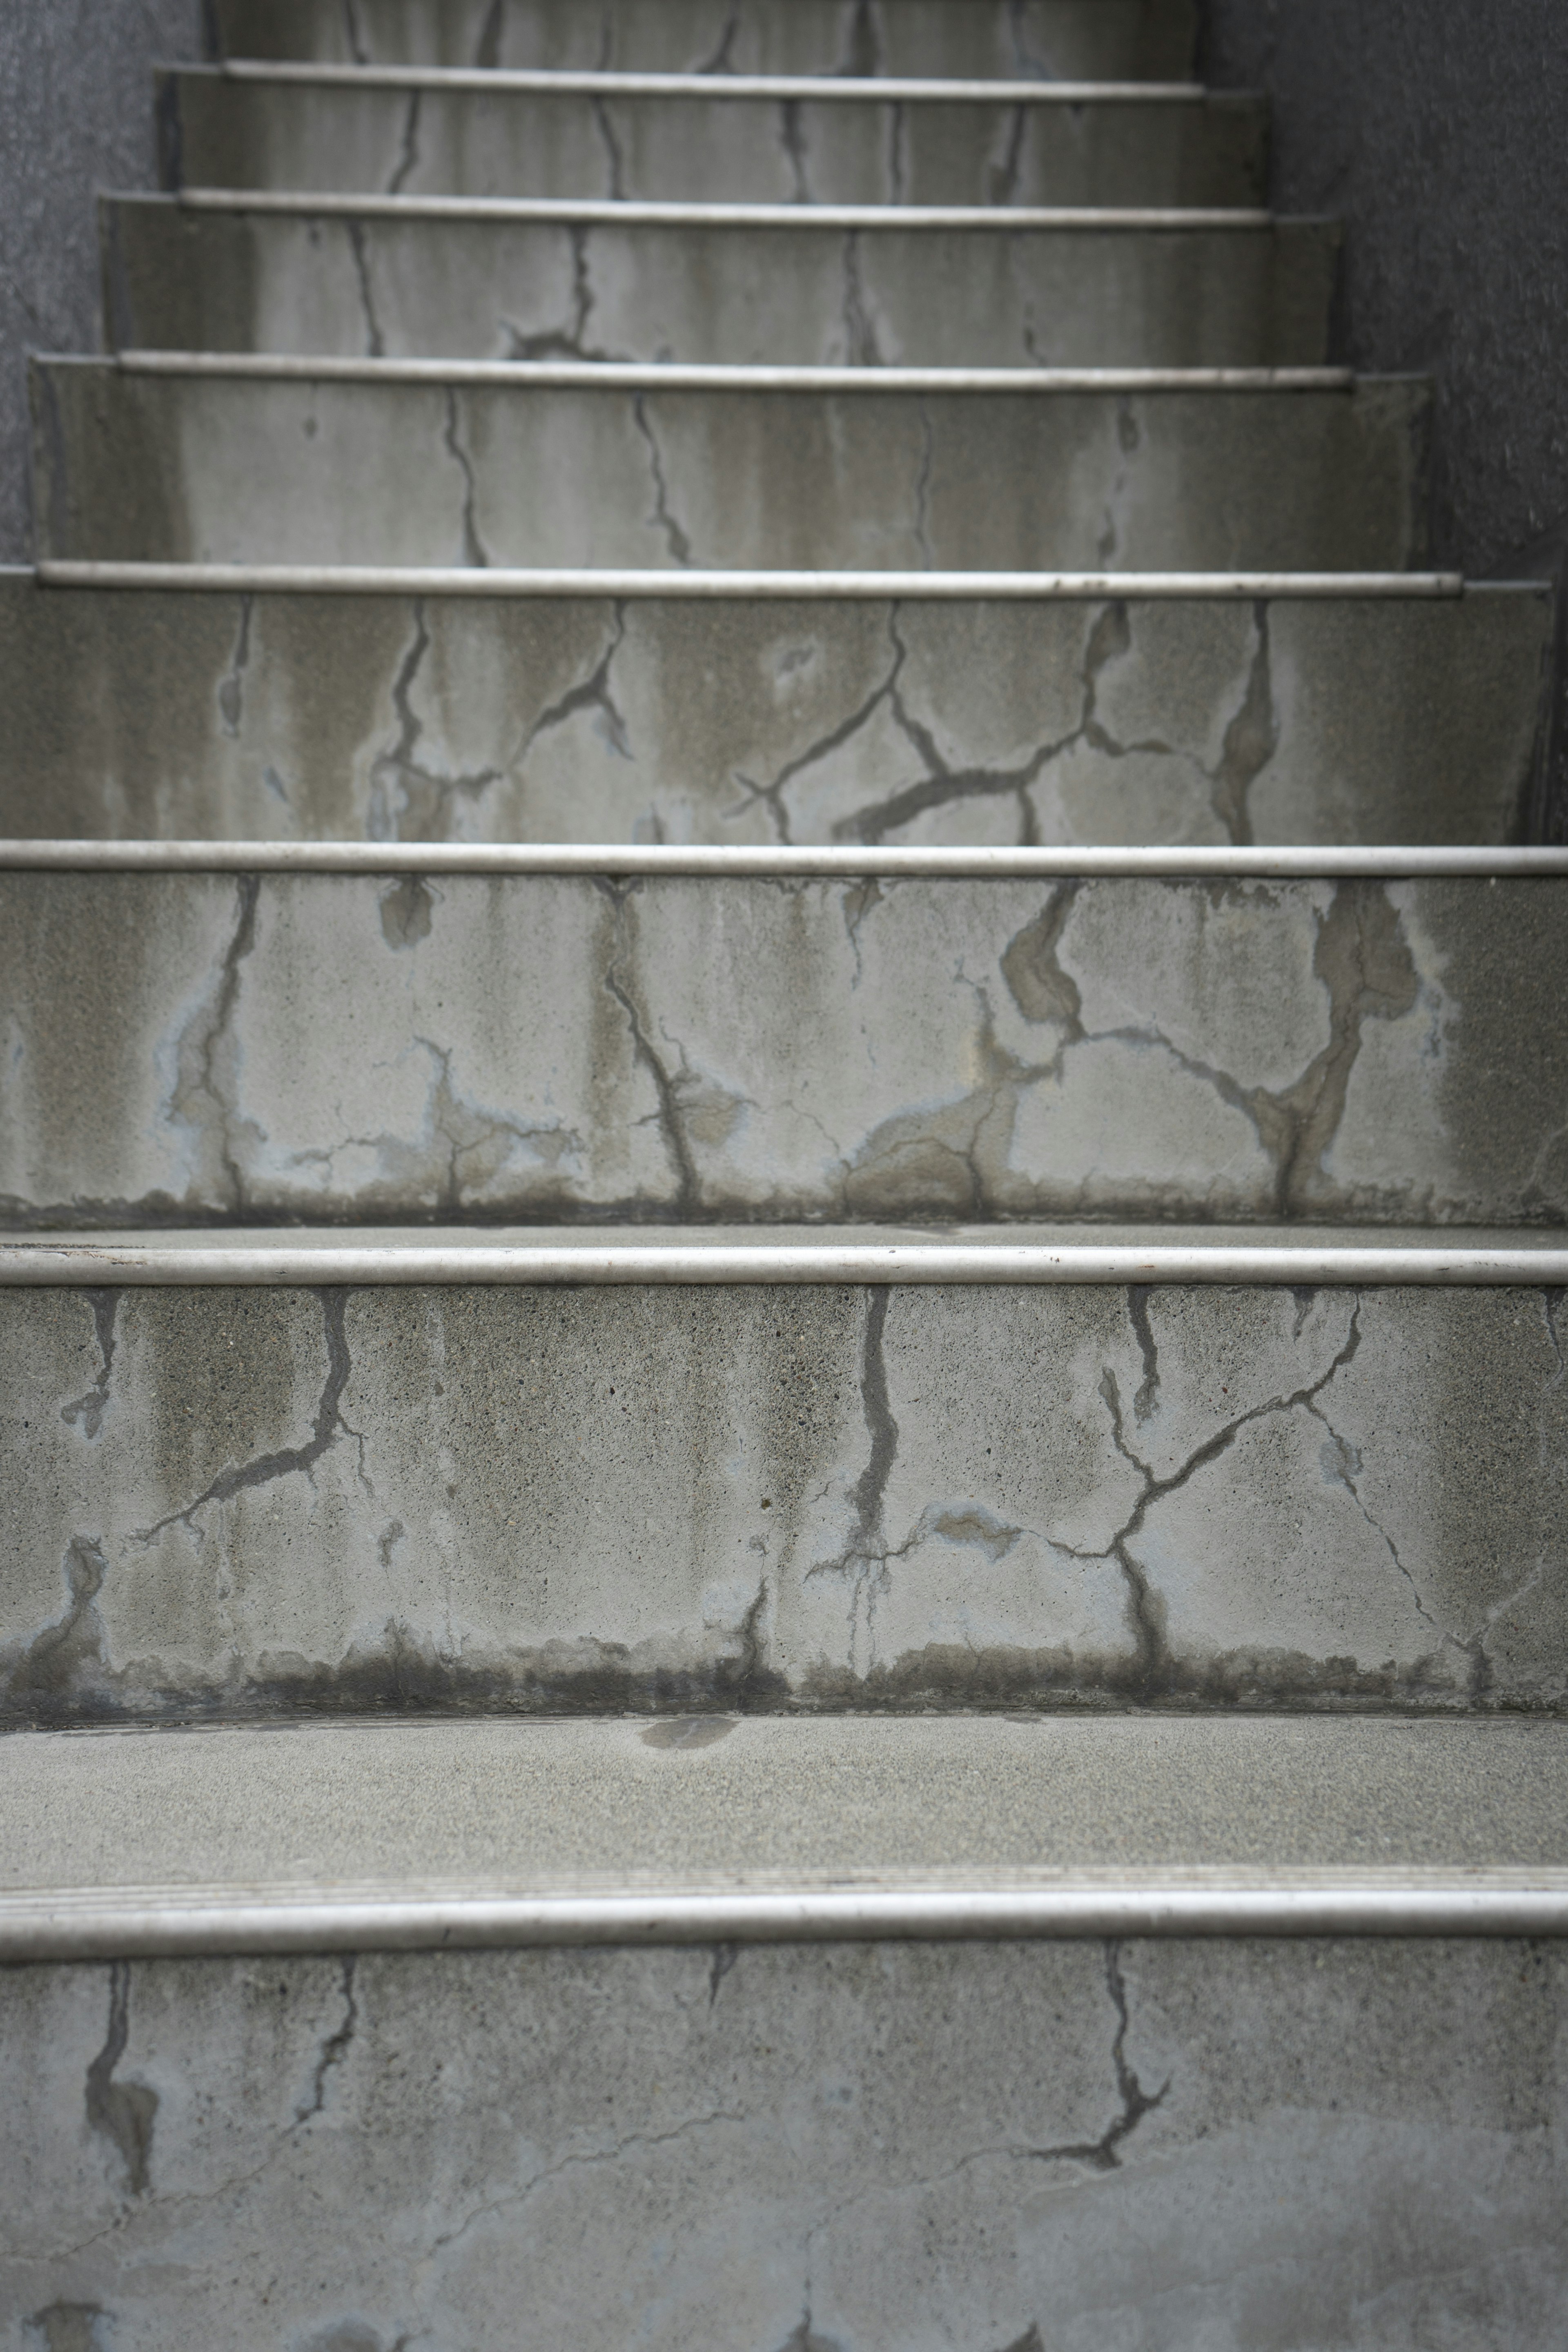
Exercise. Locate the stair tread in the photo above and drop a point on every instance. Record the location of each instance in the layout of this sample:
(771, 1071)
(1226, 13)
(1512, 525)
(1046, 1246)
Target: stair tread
(453, 1813)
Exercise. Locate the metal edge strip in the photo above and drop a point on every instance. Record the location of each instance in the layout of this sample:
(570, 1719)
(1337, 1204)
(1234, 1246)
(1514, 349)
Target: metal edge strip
(651, 213)
(769, 862)
(607, 375)
(108, 1927)
(972, 587)
(54, 1262)
(887, 90)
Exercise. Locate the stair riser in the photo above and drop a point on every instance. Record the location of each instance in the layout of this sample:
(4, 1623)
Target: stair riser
(201, 468)
(548, 1047)
(241, 1502)
(1348, 2136)
(1070, 40)
(483, 290)
(284, 717)
(518, 143)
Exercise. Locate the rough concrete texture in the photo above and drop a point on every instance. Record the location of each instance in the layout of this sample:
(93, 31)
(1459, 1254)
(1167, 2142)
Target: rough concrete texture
(144, 465)
(1434, 130)
(76, 98)
(396, 719)
(242, 1501)
(1260, 2144)
(184, 1045)
(450, 1805)
(1026, 39)
(792, 296)
(224, 134)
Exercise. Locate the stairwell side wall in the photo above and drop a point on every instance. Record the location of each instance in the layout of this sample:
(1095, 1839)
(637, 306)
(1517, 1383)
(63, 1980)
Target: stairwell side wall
(1433, 127)
(76, 113)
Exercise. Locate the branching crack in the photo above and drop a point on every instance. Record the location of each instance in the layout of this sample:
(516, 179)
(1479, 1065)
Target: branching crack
(197, 1097)
(671, 1126)
(402, 788)
(592, 693)
(568, 342)
(330, 1425)
(1103, 2154)
(860, 347)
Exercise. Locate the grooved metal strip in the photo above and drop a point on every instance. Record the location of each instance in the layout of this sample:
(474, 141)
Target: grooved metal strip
(864, 90)
(103, 1924)
(769, 862)
(289, 1260)
(615, 375)
(624, 212)
(900, 587)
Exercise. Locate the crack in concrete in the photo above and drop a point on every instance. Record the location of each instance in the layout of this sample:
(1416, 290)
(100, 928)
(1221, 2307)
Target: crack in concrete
(860, 347)
(231, 689)
(720, 62)
(47, 1666)
(923, 489)
(87, 1411)
(897, 124)
(196, 1098)
(467, 1132)
(474, 552)
(487, 53)
(590, 2158)
(402, 786)
(1251, 739)
(865, 1556)
(375, 346)
(1102, 2155)
(792, 137)
(408, 154)
(352, 34)
(1341, 1463)
(865, 54)
(592, 693)
(335, 2048)
(287, 1460)
(671, 1126)
(121, 2113)
(724, 1958)
(616, 190)
(679, 545)
(564, 342)
(1004, 176)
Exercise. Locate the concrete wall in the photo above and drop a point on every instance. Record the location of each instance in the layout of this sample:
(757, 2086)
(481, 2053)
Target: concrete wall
(76, 107)
(1434, 127)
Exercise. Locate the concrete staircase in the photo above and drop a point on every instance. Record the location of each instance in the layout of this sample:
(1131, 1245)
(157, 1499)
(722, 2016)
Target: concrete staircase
(785, 1144)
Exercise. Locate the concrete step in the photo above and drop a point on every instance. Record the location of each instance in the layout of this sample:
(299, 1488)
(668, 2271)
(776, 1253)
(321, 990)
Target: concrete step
(257, 712)
(1050, 40)
(785, 2145)
(254, 1475)
(714, 137)
(402, 276)
(343, 1031)
(251, 459)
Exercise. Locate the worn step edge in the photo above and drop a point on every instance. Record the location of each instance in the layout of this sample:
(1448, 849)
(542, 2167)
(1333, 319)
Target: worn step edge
(770, 862)
(326, 1256)
(881, 587)
(627, 212)
(115, 1923)
(569, 82)
(617, 375)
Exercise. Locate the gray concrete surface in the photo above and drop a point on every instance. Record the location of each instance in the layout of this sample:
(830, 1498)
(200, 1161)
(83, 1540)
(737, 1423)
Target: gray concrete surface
(237, 1501)
(76, 99)
(1048, 39)
(1143, 2145)
(1433, 131)
(135, 465)
(319, 717)
(441, 142)
(769, 1802)
(373, 287)
(190, 1045)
